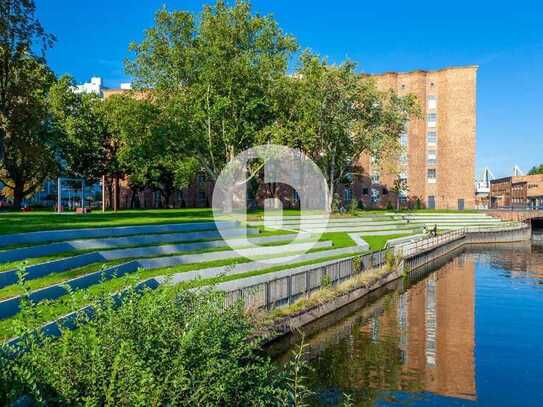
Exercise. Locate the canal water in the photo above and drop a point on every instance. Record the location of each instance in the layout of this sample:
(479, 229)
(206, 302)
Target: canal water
(465, 332)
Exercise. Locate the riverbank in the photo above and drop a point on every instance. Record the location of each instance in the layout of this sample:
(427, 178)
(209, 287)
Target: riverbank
(463, 330)
(406, 260)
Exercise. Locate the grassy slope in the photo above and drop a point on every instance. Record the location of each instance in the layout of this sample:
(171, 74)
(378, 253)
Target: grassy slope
(378, 242)
(48, 311)
(16, 222)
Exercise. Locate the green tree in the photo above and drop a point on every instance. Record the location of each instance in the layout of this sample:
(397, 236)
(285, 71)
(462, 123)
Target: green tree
(29, 150)
(536, 169)
(81, 119)
(20, 35)
(219, 70)
(399, 188)
(336, 115)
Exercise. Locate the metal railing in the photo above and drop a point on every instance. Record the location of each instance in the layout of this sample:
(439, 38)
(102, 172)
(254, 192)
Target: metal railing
(424, 245)
(288, 288)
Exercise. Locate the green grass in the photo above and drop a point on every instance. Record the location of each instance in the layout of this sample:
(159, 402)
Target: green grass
(339, 240)
(50, 310)
(17, 222)
(379, 242)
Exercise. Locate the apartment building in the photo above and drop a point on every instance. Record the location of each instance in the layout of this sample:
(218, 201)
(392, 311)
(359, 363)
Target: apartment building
(438, 158)
(519, 192)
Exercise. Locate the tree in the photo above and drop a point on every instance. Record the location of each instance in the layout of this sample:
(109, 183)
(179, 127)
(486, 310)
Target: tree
(400, 188)
(29, 150)
(537, 169)
(81, 119)
(336, 116)
(148, 152)
(218, 72)
(20, 34)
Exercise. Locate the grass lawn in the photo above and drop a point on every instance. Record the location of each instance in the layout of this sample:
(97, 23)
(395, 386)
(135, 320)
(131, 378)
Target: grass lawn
(339, 240)
(17, 222)
(378, 242)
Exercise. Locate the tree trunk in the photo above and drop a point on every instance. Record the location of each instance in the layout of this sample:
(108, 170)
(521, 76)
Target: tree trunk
(332, 182)
(18, 194)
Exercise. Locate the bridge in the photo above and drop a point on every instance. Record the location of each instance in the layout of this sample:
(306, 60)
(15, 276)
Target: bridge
(535, 217)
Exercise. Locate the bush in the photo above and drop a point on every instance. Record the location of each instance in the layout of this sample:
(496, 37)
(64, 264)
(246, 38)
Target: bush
(389, 206)
(353, 207)
(168, 347)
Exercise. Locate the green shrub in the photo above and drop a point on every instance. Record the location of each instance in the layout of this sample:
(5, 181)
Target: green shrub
(326, 281)
(353, 207)
(389, 206)
(167, 347)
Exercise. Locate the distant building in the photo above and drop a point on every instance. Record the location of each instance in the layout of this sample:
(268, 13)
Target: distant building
(482, 189)
(95, 86)
(438, 162)
(517, 192)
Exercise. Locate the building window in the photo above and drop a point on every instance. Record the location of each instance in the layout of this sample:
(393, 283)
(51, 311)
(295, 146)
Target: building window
(403, 139)
(403, 158)
(365, 191)
(432, 119)
(432, 175)
(432, 157)
(385, 191)
(375, 178)
(347, 195)
(403, 175)
(432, 137)
(432, 102)
(375, 195)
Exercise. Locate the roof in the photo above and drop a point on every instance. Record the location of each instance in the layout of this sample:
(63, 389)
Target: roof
(422, 71)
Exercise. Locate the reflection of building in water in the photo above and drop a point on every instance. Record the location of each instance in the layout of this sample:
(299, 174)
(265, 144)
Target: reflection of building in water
(520, 259)
(436, 329)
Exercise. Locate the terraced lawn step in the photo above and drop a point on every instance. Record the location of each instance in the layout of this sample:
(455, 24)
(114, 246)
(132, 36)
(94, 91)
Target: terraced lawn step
(68, 321)
(11, 306)
(390, 228)
(89, 233)
(40, 270)
(145, 240)
(256, 265)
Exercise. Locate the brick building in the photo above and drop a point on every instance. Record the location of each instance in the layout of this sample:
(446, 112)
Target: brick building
(521, 192)
(438, 160)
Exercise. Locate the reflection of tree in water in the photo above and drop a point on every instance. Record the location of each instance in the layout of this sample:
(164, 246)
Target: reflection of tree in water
(364, 364)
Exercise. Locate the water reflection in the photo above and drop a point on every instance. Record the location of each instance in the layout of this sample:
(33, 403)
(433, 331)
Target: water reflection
(416, 344)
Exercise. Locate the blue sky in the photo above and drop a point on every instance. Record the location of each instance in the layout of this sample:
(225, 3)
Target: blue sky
(505, 40)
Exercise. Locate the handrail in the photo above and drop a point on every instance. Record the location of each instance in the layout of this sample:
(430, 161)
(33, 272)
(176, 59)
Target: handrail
(414, 248)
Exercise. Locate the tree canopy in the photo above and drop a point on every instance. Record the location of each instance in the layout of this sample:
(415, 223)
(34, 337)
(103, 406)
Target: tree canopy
(537, 169)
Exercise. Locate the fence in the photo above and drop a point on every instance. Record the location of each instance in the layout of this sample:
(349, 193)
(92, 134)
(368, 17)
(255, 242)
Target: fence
(288, 288)
(415, 248)
(275, 290)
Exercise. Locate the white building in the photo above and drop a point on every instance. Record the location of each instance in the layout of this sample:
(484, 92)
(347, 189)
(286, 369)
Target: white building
(95, 86)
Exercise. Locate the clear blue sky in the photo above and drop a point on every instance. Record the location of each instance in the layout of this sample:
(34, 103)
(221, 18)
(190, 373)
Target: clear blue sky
(505, 40)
